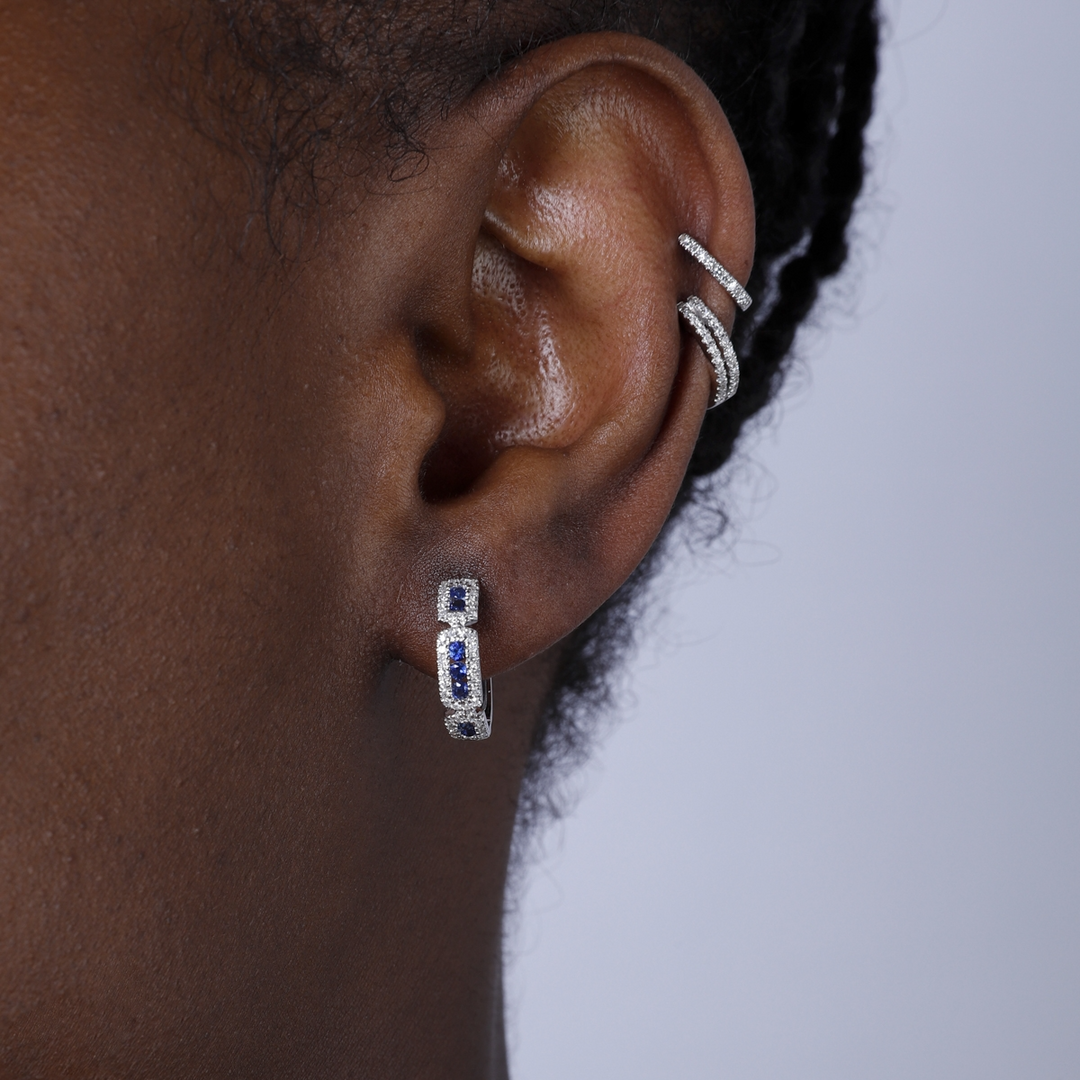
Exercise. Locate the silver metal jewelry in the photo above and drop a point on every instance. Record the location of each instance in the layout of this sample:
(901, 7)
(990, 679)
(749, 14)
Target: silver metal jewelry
(463, 690)
(707, 326)
(717, 345)
(726, 279)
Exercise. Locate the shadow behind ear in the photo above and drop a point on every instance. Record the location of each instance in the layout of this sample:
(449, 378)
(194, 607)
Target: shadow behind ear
(571, 417)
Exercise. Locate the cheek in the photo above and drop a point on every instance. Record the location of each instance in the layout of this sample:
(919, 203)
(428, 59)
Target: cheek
(170, 598)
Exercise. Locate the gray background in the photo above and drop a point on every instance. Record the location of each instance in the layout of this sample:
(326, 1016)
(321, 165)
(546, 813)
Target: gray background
(835, 834)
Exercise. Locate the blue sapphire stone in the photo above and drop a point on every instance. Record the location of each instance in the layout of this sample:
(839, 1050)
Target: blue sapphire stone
(459, 670)
(456, 649)
(459, 688)
(457, 598)
(467, 728)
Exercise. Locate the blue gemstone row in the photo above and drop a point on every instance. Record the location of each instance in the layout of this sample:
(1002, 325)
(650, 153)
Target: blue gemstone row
(457, 598)
(459, 670)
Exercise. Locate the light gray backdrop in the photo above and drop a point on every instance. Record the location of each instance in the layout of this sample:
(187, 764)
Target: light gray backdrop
(836, 833)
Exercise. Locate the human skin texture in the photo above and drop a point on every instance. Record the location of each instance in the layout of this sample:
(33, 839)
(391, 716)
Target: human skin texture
(235, 838)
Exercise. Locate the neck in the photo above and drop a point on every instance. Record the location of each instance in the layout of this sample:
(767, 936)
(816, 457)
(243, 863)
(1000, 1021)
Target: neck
(417, 968)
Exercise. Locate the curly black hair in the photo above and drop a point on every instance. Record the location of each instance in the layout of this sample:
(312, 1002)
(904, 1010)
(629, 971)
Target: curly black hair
(317, 80)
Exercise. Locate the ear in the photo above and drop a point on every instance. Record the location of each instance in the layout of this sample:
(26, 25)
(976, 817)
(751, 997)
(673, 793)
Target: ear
(560, 398)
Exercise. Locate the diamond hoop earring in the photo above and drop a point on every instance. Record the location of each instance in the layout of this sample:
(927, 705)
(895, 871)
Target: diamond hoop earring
(463, 690)
(708, 327)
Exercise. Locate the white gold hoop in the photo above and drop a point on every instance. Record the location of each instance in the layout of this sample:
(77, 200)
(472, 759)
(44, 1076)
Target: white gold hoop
(717, 345)
(707, 325)
(462, 688)
(724, 277)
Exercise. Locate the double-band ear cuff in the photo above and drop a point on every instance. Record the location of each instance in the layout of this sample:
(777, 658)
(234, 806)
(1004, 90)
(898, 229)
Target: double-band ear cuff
(708, 327)
(463, 690)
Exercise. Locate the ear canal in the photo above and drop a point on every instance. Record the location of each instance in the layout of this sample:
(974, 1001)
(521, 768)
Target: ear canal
(515, 386)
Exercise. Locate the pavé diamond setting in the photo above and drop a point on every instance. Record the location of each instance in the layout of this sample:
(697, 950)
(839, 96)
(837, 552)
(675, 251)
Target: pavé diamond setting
(717, 345)
(707, 326)
(462, 688)
(724, 277)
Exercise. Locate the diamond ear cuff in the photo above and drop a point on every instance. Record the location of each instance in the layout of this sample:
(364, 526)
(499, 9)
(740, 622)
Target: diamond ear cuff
(463, 690)
(708, 327)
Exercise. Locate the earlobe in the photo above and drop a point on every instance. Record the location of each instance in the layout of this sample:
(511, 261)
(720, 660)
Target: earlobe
(571, 416)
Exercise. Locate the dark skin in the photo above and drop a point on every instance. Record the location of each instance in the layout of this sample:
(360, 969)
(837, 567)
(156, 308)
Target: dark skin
(236, 838)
